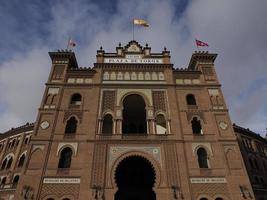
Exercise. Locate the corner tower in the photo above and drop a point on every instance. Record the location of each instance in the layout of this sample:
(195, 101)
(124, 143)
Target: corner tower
(133, 127)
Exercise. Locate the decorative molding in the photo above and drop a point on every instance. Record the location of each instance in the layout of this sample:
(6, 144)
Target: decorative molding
(68, 114)
(116, 151)
(73, 145)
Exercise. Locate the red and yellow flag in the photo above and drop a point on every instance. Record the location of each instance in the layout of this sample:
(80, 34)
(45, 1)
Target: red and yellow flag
(140, 22)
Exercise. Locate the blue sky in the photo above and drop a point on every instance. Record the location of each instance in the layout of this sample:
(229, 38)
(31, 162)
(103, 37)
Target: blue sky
(236, 30)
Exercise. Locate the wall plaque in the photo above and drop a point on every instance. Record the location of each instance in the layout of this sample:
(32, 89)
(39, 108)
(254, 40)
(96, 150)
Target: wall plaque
(208, 180)
(62, 180)
(134, 60)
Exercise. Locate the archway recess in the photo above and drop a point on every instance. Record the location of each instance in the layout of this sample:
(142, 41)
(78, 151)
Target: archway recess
(134, 115)
(135, 178)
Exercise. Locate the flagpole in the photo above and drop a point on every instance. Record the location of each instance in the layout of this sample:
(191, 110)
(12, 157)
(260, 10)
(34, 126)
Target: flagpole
(133, 29)
(68, 44)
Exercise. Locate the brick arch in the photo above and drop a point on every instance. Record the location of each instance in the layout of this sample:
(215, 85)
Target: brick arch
(142, 94)
(204, 196)
(198, 116)
(50, 196)
(72, 115)
(220, 196)
(155, 165)
(108, 112)
(67, 196)
(204, 146)
(63, 146)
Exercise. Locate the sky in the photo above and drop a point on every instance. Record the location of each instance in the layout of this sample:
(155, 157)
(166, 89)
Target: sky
(235, 29)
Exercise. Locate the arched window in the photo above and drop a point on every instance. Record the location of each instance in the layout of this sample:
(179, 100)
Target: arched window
(107, 127)
(26, 140)
(71, 126)
(134, 115)
(16, 180)
(202, 158)
(256, 164)
(21, 160)
(65, 158)
(196, 126)
(13, 143)
(4, 164)
(9, 163)
(190, 100)
(256, 179)
(76, 99)
(3, 182)
(251, 163)
(161, 124)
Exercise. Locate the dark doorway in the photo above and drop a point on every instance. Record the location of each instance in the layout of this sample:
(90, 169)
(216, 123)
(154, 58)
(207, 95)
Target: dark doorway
(135, 178)
(134, 115)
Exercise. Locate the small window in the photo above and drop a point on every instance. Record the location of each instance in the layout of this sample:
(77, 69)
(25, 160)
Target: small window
(256, 164)
(3, 182)
(196, 126)
(13, 143)
(190, 99)
(251, 163)
(161, 124)
(256, 179)
(76, 99)
(21, 160)
(65, 158)
(71, 126)
(16, 180)
(9, 163)
(107, 127)
(202, 158)
(4, 164)
(26, 140)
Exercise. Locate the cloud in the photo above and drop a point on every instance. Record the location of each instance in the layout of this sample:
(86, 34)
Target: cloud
(21, 86)
(235, 30)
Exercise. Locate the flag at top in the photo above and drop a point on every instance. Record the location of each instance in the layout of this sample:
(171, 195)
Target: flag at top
(201, 44)
(140, 22)
(71, 43)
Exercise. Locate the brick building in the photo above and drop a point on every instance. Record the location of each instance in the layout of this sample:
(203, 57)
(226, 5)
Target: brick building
(254, 151)
(14, 146)
(133, 127)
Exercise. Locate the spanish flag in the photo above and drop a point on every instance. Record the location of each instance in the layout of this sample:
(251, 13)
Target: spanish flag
(140, 22)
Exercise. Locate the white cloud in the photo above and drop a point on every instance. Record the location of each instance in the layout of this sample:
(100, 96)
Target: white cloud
(235, 30)
(22, 84)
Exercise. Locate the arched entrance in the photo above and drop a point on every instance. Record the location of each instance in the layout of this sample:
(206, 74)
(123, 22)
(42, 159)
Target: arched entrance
(134, 115)
(135, 178)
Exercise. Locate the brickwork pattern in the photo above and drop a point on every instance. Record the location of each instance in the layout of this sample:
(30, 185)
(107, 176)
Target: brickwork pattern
(210, 189)
(171, 164)
(108, 100)
(159, 101)
(60, 190)
(78, 114)
(98, 171)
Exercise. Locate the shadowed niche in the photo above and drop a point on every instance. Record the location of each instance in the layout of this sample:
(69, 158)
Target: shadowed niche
(134, 115)
(135, 178)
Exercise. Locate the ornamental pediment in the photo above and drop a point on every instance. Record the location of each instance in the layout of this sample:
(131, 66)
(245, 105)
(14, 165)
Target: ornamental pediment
(134, 48)
(133, 52)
